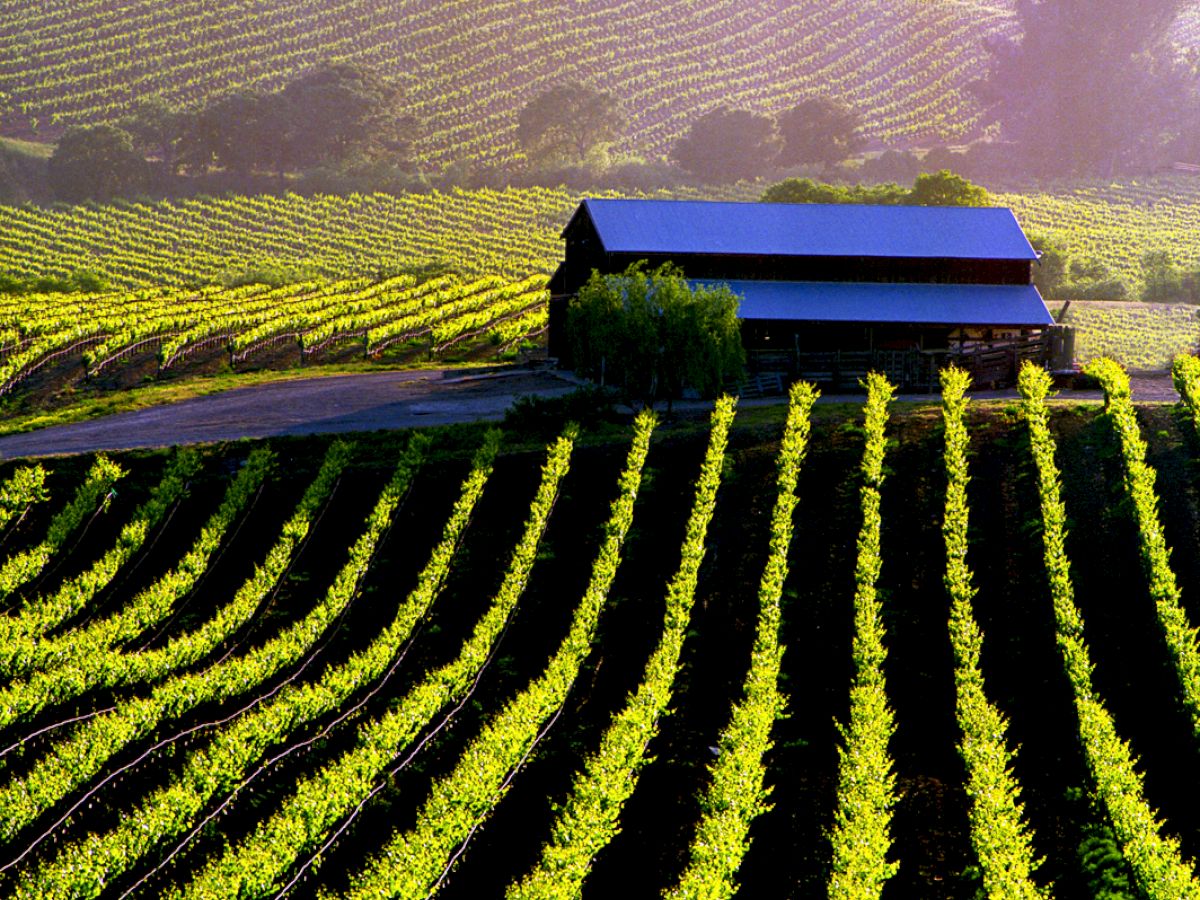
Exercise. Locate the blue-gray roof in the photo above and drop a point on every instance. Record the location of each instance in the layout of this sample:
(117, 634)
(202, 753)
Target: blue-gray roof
(807, 229)
(919, 304)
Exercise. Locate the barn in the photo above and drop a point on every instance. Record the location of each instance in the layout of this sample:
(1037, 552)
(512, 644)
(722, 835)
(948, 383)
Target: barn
(830, 292)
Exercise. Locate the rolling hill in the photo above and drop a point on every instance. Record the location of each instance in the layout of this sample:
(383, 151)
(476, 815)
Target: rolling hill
(469, 66)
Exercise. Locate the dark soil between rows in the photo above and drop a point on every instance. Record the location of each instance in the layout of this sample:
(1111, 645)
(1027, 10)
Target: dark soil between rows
(789, 853)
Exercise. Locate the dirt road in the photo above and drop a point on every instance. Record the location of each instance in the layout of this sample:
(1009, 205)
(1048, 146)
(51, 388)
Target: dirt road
(382, 400)
(335, 403)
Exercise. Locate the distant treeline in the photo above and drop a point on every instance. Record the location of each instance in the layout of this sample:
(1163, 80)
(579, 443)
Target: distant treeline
(1110, 94)
(1061, 274)
(328, 117)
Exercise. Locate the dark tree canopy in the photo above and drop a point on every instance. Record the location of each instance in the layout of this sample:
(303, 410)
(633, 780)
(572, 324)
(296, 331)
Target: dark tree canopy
(567, 123)
(1091, 86)
(242, 131)
(652, 336)
(891, 165)
(324, 117)
(158, 129)
(818, 130)
(727, 145)
(336, 111)
(96, 162)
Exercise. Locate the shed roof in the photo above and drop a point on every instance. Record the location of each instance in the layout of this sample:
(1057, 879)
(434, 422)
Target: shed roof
(806, 229)
(919, 304)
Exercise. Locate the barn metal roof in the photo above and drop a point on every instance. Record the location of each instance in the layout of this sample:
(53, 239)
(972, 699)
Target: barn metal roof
(807, 229)
(921, 304)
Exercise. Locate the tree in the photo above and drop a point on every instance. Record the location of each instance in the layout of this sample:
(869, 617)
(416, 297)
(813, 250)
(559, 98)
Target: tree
(324, 117)
(95, 162)
(939, 189)
(158, 129)
(727, 145)
(1162, 279)
(1090, 279)
(944, 188)
(568, 124)
(1190, 286)
(1091, 85)
(240, 131)
(1050, 272)
(942, 157)
(805, 190)
(652, 335)
(891, 165)
(818, 130)
(337, 111)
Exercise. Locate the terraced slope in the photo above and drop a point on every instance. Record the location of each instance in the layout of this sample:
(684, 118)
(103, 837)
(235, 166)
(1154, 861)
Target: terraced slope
(469, 66)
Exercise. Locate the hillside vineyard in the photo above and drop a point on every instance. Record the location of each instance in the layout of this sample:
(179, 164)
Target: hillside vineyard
(80, 336)
(459, 275)
(507, 233)
(331, 668)
(467, 68)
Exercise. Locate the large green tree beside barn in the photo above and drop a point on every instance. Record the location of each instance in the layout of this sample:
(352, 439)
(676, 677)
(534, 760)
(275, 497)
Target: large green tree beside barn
(651, 335)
